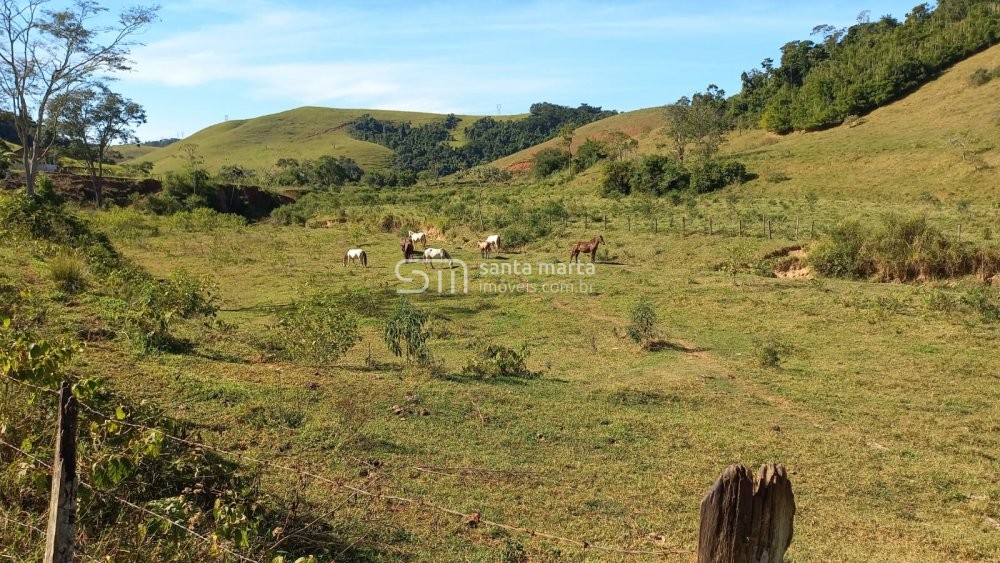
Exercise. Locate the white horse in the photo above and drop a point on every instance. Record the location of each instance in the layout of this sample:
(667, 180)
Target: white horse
(418, 236)
(495, 241)
(436, 254)
(356, 254)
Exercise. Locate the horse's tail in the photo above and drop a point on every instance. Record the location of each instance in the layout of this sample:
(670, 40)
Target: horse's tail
(345, 258)
(364, 258)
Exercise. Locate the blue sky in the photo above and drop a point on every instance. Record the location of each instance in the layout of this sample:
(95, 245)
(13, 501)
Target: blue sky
(205, 61)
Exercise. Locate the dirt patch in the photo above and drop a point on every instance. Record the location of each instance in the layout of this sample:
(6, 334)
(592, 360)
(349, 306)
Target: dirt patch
(524, 166)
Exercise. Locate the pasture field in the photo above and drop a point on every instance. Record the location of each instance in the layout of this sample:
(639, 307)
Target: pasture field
(884, 406)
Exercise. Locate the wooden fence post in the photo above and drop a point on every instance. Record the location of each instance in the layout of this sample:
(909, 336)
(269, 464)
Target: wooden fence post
(710, 231)
(769, 228)
(744, 523)
(656, 226)
(741, 226)
(60, 534)
(684, 225)
(796, 228)
(630, 223)
(959, 232)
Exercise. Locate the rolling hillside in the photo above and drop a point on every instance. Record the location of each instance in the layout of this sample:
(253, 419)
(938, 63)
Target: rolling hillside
(302, 133)
(912, 149)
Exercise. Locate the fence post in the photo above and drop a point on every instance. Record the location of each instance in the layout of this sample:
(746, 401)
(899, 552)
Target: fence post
(60, 533)
(812, 229)
(710, 231)
(630, 223)
(741, 226)
(744, 523)
(585, 217)
(684, 225)
(796, 228)
(768, 228)
(959, 232)
(656, 226)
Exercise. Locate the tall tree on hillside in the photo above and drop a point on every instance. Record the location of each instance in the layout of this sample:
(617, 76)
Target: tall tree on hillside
(94, 118)
(45, 53)
(700, 120)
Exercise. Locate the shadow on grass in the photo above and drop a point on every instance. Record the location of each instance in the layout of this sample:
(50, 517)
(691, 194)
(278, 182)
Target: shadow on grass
(660, 345)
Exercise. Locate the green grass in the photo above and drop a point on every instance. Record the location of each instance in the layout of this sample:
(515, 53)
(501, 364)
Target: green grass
(883, 408)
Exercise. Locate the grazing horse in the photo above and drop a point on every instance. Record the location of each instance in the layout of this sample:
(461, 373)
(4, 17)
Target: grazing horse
(418, 236)
(484, 248)
(495, 241)
(589, 246)
(407, 245)
(356, 254)
(436, 254)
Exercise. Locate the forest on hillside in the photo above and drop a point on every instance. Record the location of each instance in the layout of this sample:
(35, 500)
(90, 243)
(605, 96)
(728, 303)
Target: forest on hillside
(851, 71)
(426, 148)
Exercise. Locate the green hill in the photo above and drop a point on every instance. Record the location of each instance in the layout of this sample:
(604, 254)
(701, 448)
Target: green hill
(939, 142)
(302, 133)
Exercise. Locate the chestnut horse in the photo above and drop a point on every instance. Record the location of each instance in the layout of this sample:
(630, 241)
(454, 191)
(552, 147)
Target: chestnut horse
(589, 246)
(407, 245)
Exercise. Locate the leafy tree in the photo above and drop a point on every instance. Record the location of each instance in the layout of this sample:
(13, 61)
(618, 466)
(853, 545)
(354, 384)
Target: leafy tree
(589, 153)
(94, 118)
(700, 120)
(404, 332)
(45, 53)
(620, 145)
(617, 178)
(549, 161)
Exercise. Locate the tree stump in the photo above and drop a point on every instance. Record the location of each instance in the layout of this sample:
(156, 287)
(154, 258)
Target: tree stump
(746, 523)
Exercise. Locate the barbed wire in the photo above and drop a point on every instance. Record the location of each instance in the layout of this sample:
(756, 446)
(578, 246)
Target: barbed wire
(474, 518)
(144, 510)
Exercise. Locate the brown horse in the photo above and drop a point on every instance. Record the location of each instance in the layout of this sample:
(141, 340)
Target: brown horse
(589, 246)
(407, 245)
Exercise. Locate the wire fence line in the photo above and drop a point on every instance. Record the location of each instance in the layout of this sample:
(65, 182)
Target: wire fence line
(474, 518)
(106, 495)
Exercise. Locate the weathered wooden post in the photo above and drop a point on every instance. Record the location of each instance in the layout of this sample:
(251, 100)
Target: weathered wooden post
(769, 228)
(630, 223)
(60, 533)
(741, 226)
(746, 523)
(959, 232)
(796, 228)
(684, 225)
(710, 231)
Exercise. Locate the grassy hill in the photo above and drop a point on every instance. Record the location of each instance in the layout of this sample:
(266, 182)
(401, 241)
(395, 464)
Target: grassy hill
(302, 133)
(911, 149)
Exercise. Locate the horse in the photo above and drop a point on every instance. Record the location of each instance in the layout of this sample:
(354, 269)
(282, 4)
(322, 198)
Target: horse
(356, 254)
(484, 248)
(585, 247)
(436, 254)
(407, 245)
(418, 236)
(495, 241)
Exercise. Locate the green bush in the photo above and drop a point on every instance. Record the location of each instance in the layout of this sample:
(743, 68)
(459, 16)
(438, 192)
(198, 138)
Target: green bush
(404, 332)
(67, 271)
(769, 350)
(642, 323)
(548, 161)
(898, 249)
(315, 330)
(203, 219)
(495, 361)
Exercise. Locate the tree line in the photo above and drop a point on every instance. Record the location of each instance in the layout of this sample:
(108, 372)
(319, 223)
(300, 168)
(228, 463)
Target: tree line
(426, 148)
(851, 71)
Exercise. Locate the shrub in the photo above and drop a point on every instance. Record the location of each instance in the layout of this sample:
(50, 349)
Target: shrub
(495, 361)
(642, 323)
(125, 223)
(617, 178)
(769, 350)
(203, 219)
(404, 332)
(550, 160)
(315, 330)
(67, 271)
(898, 249)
